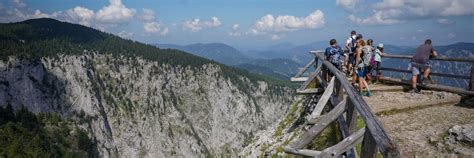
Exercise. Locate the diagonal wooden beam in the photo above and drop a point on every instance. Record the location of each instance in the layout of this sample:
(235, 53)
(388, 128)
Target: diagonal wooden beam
(302, 152)
(323, 100)
(311, 77)
(302, 70)
(298, 79)
(319, 126)
(343, 146)
(310, 91)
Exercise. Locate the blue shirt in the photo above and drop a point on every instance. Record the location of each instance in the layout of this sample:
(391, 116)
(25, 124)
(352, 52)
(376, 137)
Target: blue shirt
(334, 54)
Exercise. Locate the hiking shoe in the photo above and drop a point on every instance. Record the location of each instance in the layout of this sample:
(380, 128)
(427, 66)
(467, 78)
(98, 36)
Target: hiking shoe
(414, 90)
(369, 93)
(425, 82)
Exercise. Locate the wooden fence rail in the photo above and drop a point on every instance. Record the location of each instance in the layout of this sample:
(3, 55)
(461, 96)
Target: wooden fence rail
(470, 60)
(469, 91)
(347, 103)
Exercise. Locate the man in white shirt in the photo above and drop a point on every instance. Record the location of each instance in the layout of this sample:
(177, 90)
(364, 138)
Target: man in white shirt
(350, 45)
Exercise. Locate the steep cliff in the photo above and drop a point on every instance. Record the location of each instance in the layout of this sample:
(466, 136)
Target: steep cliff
(135, 100)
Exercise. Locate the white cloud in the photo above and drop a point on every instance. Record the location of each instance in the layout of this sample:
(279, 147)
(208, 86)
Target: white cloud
(235, 27)
(115, 12)
(148, 14)
(79, 14)
(275, 37)
(39, 14)
(164, 32)
(19, 3)
(348, 4)
(154, 27)
(445, 21)
(384, 11)
(459, 7)
(378, 18)
(288, 23)
(17, 10)
(235, 34)
(197, 25)
(389, 4)
(235, 30)
(125, 34)
(451, 35)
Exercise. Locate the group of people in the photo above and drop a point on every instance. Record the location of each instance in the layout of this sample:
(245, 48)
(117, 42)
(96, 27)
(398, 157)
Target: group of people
(359, 58)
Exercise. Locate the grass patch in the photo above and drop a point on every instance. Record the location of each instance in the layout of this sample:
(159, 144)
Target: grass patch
(288, 119)
(408, 109)
(328, 137)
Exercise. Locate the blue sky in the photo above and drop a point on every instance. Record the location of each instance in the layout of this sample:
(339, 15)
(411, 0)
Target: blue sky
(260, 22)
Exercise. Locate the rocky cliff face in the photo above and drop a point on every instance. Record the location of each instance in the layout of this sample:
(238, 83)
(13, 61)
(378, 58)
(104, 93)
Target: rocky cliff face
(132, 107)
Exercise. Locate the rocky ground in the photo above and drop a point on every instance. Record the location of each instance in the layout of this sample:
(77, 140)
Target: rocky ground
(420, 122)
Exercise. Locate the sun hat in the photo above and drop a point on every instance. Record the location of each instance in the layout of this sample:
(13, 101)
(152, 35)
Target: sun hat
(380, 45)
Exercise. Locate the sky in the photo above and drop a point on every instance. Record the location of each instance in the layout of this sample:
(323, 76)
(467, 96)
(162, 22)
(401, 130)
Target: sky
(256, 23)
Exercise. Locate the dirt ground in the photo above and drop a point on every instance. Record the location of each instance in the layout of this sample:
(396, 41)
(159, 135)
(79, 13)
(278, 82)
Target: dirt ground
(419, 122)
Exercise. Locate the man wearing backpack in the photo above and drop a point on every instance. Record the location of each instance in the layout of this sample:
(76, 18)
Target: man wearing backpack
(334, 54)
(350, 45)
(419, 63)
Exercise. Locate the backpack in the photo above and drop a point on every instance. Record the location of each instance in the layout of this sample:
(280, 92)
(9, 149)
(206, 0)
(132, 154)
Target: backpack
(333, 55)
(367, 55)
(373, 63)
(353, 45)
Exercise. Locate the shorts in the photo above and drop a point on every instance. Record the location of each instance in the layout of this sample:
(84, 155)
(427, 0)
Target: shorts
(378, 67)
(361, 72)
(416, 68)
(352, 58)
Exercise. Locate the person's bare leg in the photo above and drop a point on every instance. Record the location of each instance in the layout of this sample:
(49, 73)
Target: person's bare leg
(354, 78)
(413, 81)
(349, 68)
(368, 89)
(426, 73)
(361, 84)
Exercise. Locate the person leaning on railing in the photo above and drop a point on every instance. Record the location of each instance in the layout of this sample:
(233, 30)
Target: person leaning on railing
(378, 59)
(420, 63)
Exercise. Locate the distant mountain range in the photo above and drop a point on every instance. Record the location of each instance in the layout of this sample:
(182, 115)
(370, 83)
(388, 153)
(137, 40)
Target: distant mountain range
(297, 53)
(278, 68)
(214, 51)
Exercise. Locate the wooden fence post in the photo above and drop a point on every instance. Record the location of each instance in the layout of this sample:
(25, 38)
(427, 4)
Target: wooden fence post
(351, 117)
(316, 61)
(369, 146)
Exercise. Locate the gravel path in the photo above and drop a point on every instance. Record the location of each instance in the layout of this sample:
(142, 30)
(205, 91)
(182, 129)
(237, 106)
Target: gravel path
(420, 122)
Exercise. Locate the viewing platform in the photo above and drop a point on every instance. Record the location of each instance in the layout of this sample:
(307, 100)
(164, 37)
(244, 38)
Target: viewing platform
(390, 116)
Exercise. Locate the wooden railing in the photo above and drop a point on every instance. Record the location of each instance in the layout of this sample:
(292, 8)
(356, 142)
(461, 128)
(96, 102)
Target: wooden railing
(469, 91)
(346, 105)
